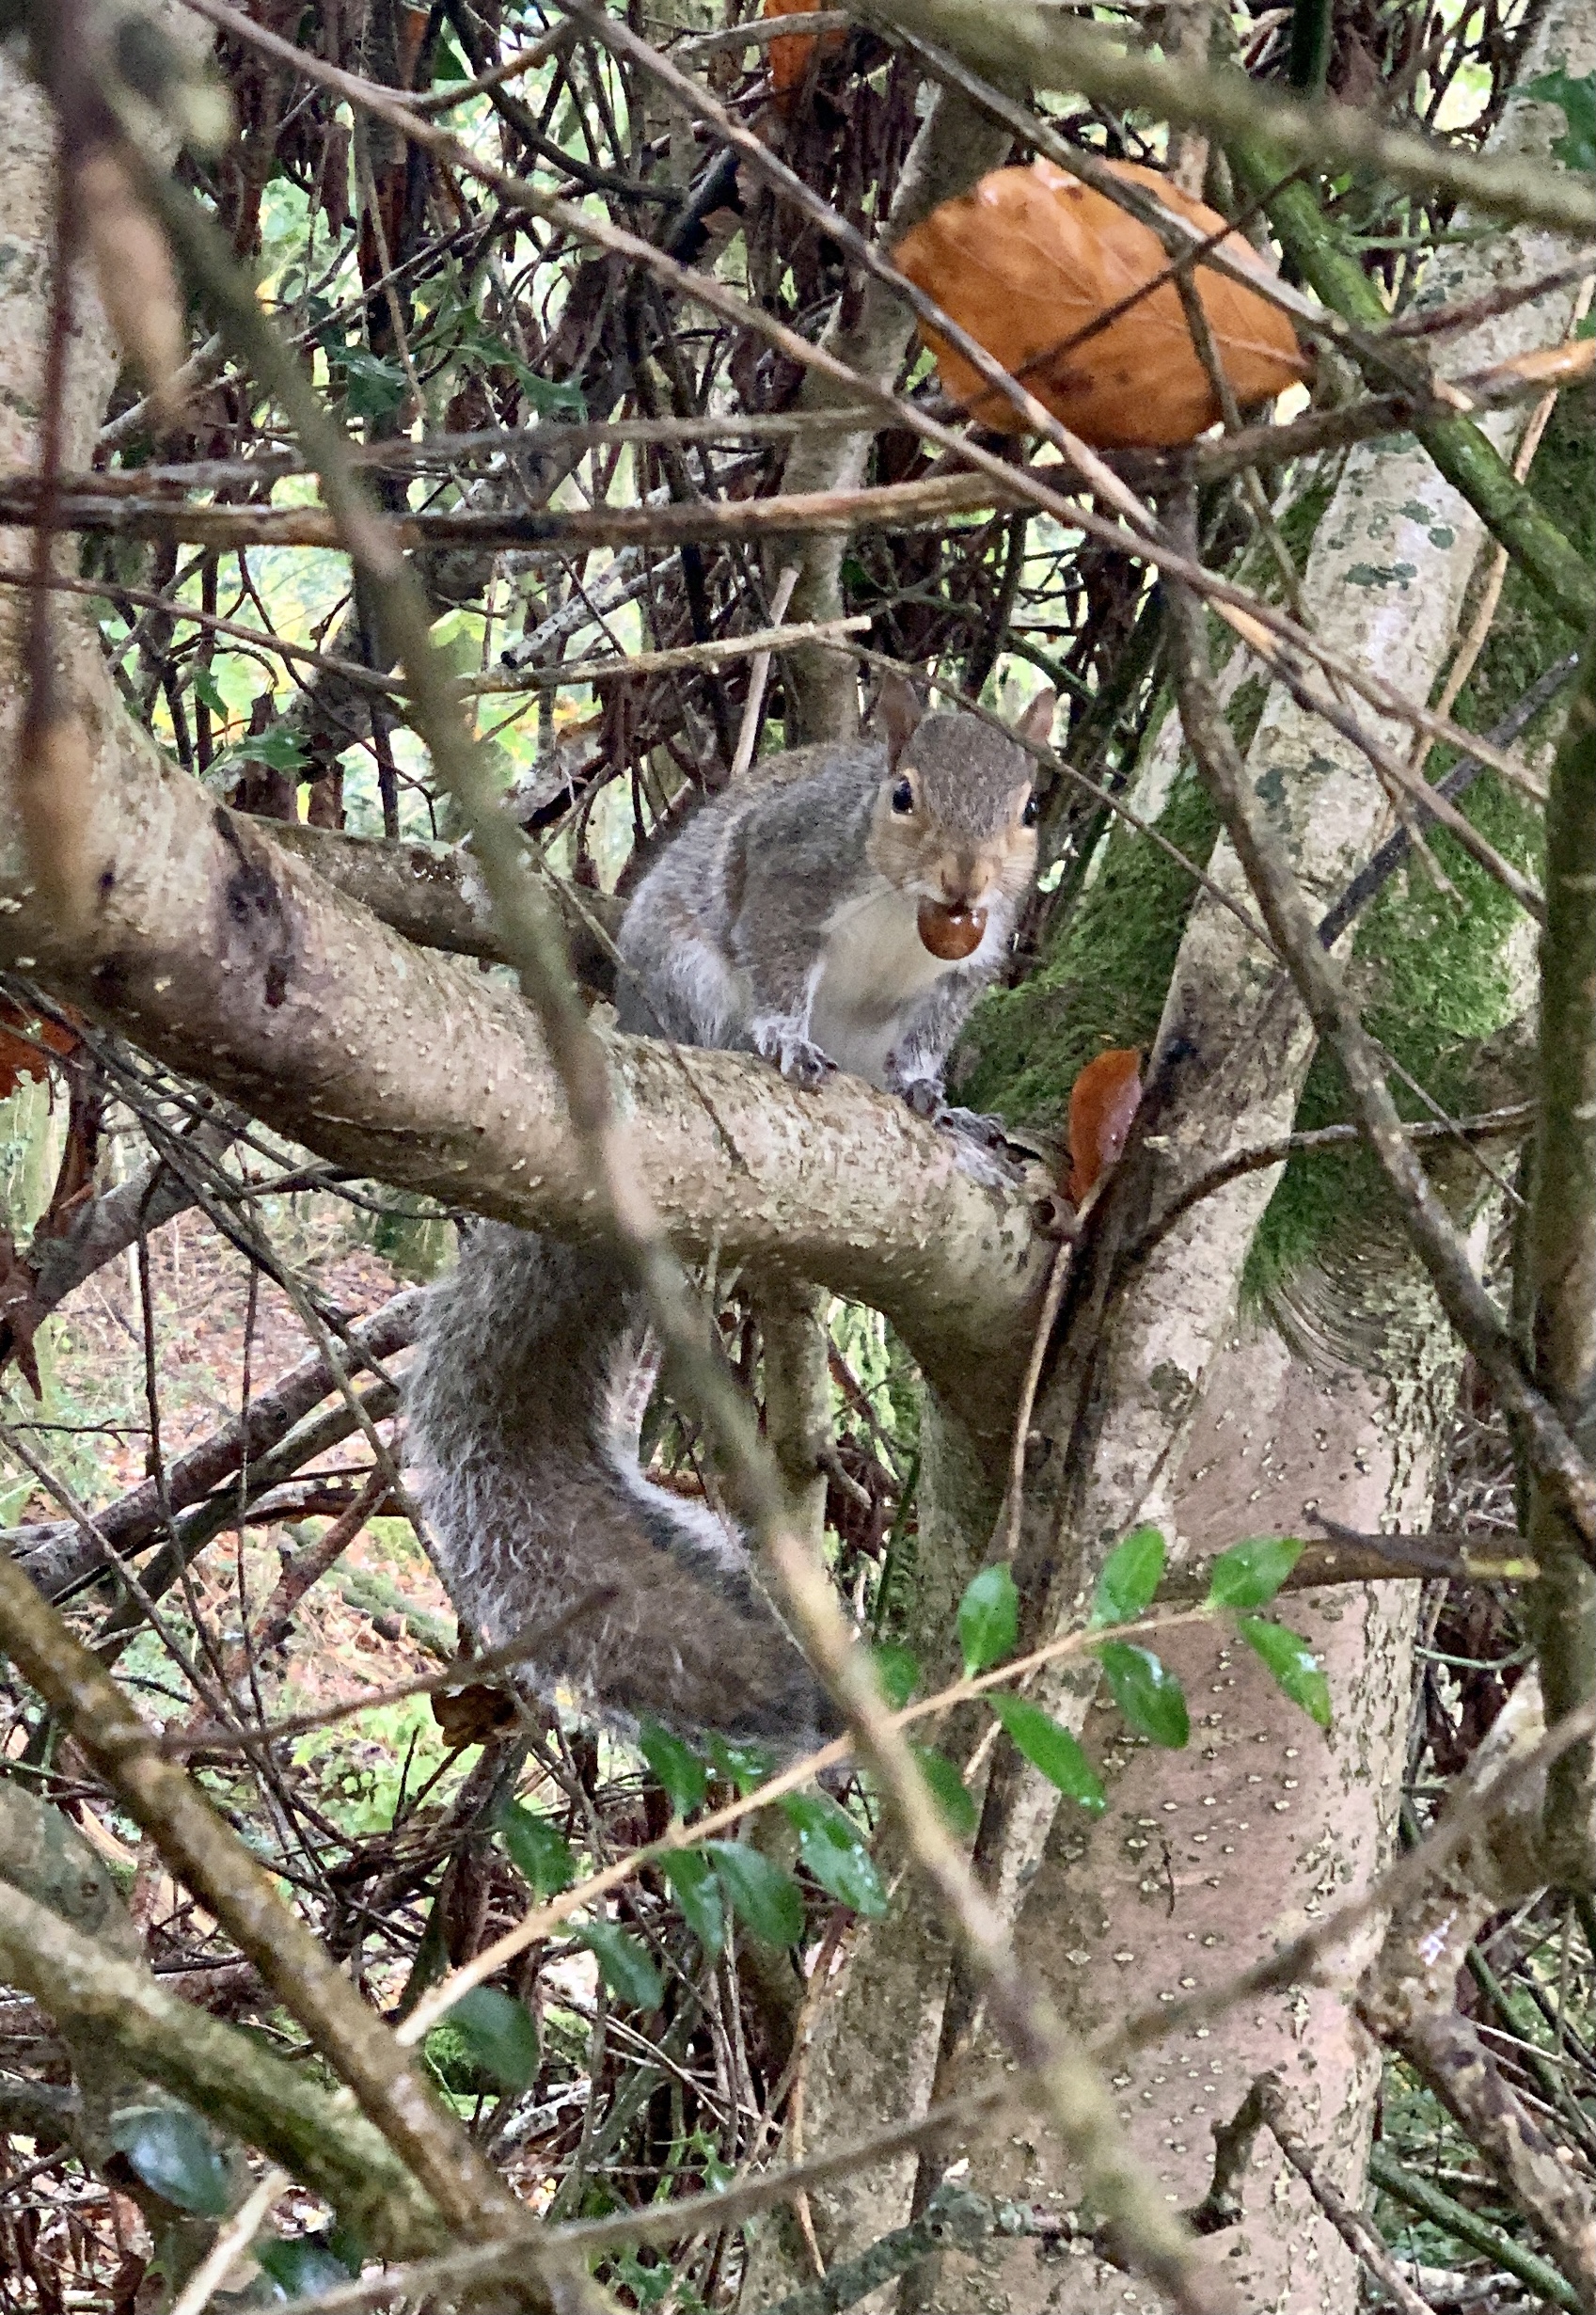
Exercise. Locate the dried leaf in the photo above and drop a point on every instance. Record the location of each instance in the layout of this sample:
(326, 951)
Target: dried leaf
(20, 1055)
(20, 1314)
(789, 59)
(1033, 257)
(1102, 1103)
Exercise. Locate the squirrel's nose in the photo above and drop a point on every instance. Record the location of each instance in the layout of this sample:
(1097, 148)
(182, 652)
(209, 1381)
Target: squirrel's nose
(964, 883)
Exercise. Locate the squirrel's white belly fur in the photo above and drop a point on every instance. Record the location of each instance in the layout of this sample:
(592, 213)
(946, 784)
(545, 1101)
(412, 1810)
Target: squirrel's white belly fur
(873, 969)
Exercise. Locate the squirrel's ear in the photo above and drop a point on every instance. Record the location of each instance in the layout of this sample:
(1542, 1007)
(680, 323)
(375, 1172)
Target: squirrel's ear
(1037, 723)
(899, 710)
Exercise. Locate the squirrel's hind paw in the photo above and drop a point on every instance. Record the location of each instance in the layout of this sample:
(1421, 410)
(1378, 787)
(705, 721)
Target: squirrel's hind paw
(984, 1145)
(801, 1062)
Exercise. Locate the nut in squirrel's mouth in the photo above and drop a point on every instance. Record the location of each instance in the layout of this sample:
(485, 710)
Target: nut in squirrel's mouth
(950, 929)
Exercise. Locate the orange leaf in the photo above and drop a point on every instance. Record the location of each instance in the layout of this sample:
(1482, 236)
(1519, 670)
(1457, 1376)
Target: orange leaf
(1102, 1103)
(1031, 257)
(20, 1056)
(789, 59)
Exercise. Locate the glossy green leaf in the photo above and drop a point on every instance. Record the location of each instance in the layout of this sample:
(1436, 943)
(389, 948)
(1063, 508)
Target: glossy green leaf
(746, 1765)
(173, 2153)
(833, 1848)
(1129, 1578)
(765, 1898)
(1249, 1575)
(626, 1965)
(681, 1773)
(698, 1892)
(501, 2033)
(898, 1671)
(1291, 1663)
(948, 1790)
(1050, 1749)
(536, 1848)
(1148, 1694)
(989, 1619)
(304, 2264)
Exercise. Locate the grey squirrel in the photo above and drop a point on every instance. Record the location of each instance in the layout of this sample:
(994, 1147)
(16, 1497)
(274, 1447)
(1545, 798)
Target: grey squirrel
(841, 908)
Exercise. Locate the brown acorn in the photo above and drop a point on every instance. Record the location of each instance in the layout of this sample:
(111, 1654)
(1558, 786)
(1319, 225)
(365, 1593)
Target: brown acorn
(950, 932)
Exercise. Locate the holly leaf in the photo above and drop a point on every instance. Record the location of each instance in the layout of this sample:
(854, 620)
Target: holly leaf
(173, 2153)
(1129, 1578)
(697, 1889)
(832, 1847)
(372, 387)
(1050, 1749)
(989, 1619)
(948, 1790)
(1291, 1663)
(1249, 1575)
(624, 1964)
(1577, 98)
(765, 1898)
(681, 1772)
(503, 2035)
(1148, 1694)
(537, 1850)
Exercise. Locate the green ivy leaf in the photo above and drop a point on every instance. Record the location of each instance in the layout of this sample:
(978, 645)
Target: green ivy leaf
(898, 1671)
(1291, 1663)
(172, 2152)
(304, 2264)
(626, 1965)
(989, 1619)
(1129, 1578)
(948, 1790)
(698, 1892)
(1577, 98)
(767, 1900)
(1249, 1575)
(676, 1765)
(1148, 1694)
(832, 1847)
(1050, 1749)
(537, 1850)
(503, 2035)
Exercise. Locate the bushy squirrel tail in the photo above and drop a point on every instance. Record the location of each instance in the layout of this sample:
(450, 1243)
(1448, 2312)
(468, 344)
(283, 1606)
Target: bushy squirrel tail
(545, 1531)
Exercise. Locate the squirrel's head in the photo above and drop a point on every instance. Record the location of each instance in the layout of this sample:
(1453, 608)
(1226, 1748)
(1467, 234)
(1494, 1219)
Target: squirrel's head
(956, 815)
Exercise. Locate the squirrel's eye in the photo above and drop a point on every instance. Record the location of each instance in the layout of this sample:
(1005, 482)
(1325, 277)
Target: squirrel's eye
(903, 796)
(1029, 816)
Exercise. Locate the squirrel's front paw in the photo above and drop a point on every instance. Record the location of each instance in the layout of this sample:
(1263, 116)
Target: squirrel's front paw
(801, 1062)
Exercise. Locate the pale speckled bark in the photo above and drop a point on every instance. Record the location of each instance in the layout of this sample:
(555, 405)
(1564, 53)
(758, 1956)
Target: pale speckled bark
(1207, 1857)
